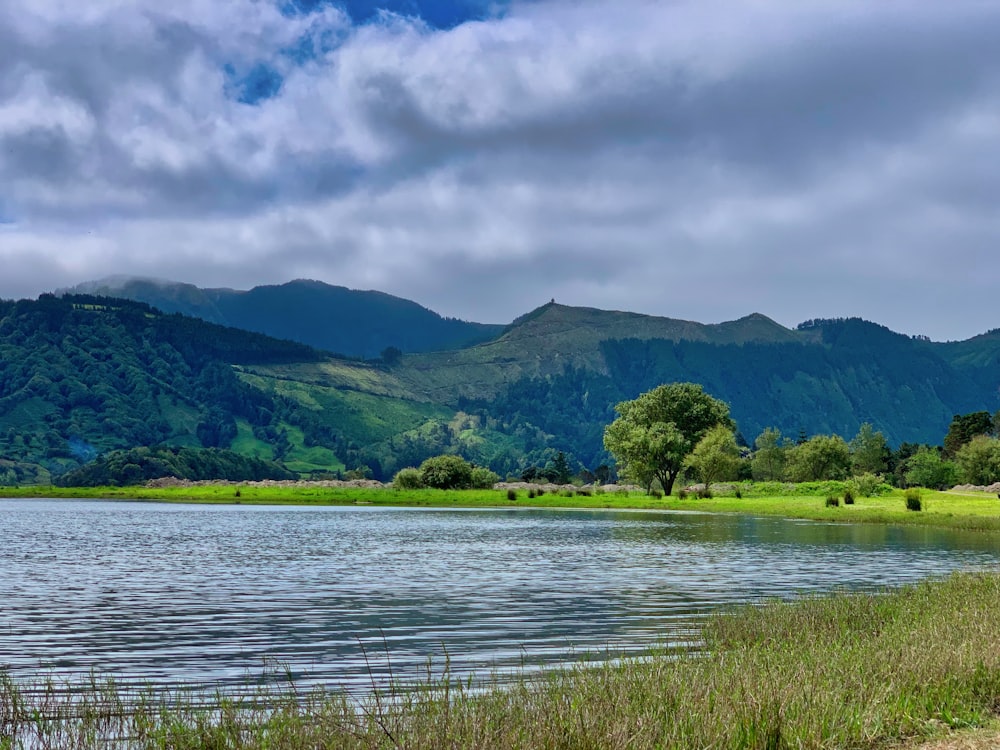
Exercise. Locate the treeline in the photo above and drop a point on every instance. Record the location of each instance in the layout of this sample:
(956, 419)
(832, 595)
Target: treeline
(139, 465)
(970, 454)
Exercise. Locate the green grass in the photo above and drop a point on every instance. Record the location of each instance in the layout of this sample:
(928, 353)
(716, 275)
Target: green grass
(839, 671)
(944, 509)
(362, 417)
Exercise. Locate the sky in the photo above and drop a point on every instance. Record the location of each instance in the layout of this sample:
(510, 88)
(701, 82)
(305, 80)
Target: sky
(701, 159)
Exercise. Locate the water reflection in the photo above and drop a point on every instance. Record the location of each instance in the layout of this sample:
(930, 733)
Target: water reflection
(173, 593)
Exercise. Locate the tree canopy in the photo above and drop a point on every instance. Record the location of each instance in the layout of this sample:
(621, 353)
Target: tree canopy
(656, 432)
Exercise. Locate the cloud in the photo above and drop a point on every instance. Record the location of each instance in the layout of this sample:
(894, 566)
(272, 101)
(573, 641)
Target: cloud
(695, 159)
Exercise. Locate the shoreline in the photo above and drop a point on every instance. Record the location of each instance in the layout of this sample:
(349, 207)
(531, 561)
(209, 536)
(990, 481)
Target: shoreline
(953, 510)
(897, 668)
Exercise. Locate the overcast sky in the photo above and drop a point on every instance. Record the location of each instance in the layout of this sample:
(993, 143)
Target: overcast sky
(700, 160)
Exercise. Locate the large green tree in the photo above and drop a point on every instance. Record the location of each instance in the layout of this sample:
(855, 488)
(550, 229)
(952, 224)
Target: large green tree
(656, 432)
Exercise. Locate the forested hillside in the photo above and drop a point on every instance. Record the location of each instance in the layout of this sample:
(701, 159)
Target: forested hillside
(81, 376)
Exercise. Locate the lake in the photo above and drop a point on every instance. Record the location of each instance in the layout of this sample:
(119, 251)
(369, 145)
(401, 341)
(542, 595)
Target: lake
(209, 595)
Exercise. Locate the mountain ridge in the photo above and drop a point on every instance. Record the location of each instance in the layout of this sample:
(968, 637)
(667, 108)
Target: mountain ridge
(84, 374)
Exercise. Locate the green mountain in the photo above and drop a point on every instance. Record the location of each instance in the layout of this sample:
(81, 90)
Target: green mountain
(82, 376)
(352, 323)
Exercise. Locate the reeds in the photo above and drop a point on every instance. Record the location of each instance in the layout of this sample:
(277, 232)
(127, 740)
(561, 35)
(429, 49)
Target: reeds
(846, 670)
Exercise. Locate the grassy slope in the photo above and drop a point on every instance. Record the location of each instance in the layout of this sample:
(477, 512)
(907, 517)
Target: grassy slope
(361, 403)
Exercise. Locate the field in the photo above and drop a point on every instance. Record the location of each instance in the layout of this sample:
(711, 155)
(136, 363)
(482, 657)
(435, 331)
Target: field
(973, 511)
(839, 671)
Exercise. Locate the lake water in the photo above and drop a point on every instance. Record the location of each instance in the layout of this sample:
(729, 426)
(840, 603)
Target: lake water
(218, 594)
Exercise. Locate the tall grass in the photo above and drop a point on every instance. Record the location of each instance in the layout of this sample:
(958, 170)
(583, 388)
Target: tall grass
(847, 670)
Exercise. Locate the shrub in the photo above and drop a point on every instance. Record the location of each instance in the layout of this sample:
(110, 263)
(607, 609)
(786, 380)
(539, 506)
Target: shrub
(848, 497)
(483, 479)
(540, 491)
(705, 493)
(446, 472)
(600, 491)
(512, 495)
(739, 495)
(583, 492)
(655, 493)
(865, 485)
(408, 479)
(832, 502)
(913, 501)
(682, 494)
(531, 494)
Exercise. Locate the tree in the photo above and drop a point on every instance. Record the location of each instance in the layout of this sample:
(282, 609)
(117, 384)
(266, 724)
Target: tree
(820, 457)
(768, 462)
(869, 451)
(716, 457)
(926, 468)
(560, 469)
(391, 356)
(979, 460)
(446, 472)
(656, 432)
(963, 428)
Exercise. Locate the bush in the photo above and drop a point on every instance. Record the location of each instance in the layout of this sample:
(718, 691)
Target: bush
(408, 479)
(483, 479)
(832, 502)
(739, 494)
(705, 493)
(540, 491)
(583, 492)
(848, 497)
(446, 473)
(531, 494)
(512, 495)
(655, 493)
(913, 501)
(865, 485)
(682, 494)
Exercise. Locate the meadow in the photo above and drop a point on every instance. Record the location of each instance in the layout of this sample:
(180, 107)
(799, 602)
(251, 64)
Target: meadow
(973, 511)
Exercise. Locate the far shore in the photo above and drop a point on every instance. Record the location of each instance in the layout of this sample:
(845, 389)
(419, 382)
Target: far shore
(962, 508)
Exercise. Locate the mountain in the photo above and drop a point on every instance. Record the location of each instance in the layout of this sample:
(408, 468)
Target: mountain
(333, 318)
(86, 375)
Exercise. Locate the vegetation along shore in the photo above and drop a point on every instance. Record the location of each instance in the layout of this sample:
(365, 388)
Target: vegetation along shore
(973, 510)
(837, 671)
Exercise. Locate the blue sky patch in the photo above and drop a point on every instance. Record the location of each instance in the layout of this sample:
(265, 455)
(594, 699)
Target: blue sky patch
(441, 14)
(259, 83)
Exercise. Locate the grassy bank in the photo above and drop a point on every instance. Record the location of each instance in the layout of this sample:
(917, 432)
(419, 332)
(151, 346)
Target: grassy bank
(842, 671)
(966, 511)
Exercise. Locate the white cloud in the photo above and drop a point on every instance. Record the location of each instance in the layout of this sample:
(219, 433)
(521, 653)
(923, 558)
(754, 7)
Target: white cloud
(695, 159)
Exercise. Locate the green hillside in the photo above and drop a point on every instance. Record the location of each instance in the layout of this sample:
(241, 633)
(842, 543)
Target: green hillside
(82, 376)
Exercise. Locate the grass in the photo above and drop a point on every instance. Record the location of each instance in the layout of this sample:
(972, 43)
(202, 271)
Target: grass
(839, 671)
(942, 509)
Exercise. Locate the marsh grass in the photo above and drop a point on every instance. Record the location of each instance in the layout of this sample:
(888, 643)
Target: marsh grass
(846, 670)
